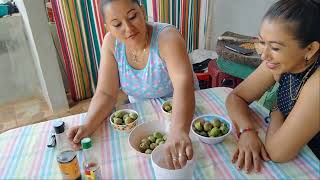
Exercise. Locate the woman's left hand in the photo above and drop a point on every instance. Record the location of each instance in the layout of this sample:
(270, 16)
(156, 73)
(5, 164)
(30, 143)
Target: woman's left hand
(178, 149)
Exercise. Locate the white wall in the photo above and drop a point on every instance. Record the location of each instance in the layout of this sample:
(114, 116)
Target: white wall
(43, 52)
(18, 77)
(240, 16)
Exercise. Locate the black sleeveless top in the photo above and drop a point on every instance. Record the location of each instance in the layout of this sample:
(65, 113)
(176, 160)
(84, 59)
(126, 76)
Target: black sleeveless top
(286, 98)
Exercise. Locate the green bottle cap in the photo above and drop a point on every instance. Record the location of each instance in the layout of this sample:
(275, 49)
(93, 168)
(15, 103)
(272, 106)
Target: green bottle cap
(86, 143)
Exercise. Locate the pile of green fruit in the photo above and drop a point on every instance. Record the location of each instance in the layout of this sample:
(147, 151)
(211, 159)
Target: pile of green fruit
(147, 145)
(214, 128)
(167, 107)
(123, 118)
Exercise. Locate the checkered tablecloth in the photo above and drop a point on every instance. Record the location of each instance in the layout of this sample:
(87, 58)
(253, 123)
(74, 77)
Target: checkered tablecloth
(24, 154)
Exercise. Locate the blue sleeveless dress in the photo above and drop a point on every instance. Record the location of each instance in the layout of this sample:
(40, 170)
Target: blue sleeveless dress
(153, 81)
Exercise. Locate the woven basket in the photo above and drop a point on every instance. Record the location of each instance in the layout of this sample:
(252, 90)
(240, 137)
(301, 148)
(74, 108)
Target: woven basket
(252, 60)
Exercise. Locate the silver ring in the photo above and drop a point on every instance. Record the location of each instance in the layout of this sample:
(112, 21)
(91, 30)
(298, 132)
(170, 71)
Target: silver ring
(174, 159)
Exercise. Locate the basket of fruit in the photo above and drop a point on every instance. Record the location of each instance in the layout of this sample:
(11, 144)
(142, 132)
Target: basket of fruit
(124, 119)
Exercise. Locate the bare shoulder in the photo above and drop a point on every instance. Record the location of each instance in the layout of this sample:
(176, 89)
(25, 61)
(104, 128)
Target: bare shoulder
(169, 37)
(313, 84)
(171, 44)
(309, 98)
(109, 42)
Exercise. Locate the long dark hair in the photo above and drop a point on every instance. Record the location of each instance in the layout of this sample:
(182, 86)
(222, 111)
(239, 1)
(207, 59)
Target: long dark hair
(302, 15)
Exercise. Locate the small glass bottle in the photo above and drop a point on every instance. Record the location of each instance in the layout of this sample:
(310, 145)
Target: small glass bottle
(67, 158)
(91, 165)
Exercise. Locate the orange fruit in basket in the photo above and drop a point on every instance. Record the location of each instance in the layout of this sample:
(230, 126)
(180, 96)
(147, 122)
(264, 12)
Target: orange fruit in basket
(247, 45)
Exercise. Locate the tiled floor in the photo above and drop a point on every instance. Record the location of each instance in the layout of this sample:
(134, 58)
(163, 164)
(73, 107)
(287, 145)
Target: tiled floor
(34, 110)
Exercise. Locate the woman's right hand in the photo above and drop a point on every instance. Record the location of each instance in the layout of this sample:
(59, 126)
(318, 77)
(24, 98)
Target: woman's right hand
(250, 152)
(76, 133)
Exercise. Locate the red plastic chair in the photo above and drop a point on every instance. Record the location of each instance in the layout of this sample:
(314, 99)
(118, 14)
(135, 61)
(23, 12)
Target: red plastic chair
(204, 80)
(221, 79)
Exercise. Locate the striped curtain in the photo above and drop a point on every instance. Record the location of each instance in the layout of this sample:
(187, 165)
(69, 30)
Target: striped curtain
(204, 18)
(184, 14)
(80, 29)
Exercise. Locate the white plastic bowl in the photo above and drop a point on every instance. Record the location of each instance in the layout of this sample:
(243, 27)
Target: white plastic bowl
(212, 140)
(126, 127)
(143, 131)
(160, 170)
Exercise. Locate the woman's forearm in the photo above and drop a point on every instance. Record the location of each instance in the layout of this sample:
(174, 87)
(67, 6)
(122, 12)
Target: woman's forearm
(100, 107)
(183, 109)
(277, 153)
(239, 112)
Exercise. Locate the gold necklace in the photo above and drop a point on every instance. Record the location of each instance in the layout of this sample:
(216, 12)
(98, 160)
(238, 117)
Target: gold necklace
(134, 54)
(305, 77)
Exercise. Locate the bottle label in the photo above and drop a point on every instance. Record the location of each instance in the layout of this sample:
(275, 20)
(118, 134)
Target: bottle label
(70, 170)
(93, 174)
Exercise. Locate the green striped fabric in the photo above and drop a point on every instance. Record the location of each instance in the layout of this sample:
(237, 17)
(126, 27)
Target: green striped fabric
(184, 14)
(80, 29)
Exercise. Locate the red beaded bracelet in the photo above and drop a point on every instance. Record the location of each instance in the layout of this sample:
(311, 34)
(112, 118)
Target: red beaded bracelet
(245, 130)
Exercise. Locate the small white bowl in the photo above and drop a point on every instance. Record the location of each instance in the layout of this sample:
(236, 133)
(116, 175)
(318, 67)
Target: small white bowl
(125, 127)
(208, 118)
(167, 114)
(143, 131)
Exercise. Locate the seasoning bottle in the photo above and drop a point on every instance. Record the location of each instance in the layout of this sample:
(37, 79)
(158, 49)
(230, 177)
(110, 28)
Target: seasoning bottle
(91, 165)
(67, 158)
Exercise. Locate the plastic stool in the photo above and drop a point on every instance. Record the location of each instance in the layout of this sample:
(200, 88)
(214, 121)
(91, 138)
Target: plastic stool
(204, 80)
(221, 79)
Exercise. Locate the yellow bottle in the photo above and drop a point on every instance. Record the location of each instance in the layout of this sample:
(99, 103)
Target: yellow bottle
(67, 158)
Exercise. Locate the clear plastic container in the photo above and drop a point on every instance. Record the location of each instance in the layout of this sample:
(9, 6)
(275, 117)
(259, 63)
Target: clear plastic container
(91, 164)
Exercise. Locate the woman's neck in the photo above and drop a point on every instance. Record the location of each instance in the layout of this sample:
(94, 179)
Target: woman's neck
(311, 62)
(145, 44)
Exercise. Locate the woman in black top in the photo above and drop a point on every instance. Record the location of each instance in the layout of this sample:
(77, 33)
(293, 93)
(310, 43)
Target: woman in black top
(289, 45)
